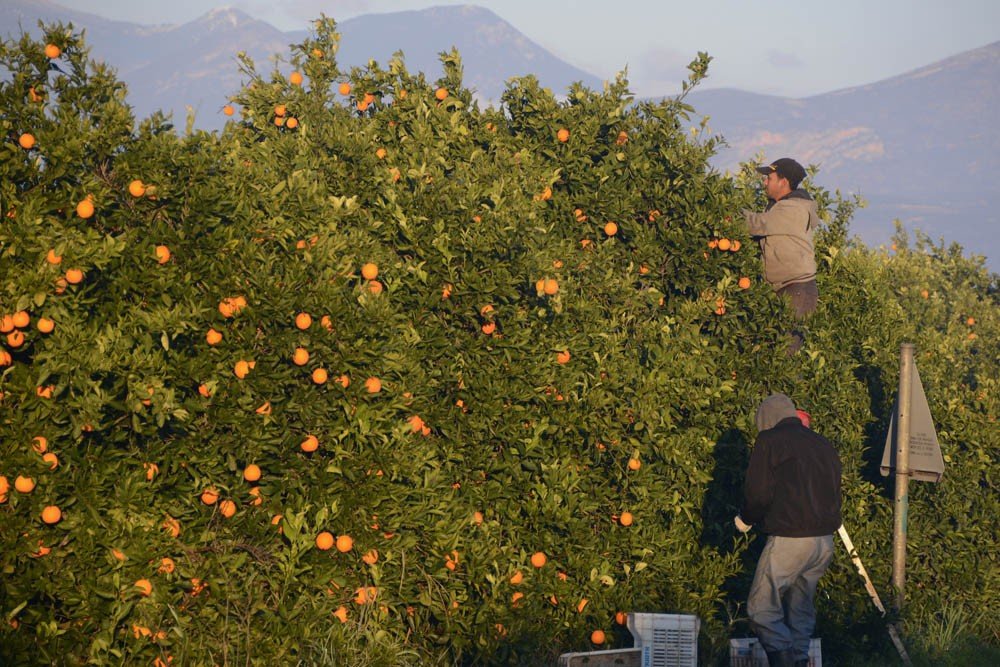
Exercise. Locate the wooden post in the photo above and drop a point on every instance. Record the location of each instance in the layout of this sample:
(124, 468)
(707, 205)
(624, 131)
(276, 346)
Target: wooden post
(901, 504)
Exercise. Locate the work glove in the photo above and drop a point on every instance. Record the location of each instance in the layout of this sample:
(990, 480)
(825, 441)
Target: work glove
(741, 525)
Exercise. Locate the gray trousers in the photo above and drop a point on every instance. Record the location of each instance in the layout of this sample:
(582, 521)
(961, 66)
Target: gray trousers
(803, 297)
(780, 605)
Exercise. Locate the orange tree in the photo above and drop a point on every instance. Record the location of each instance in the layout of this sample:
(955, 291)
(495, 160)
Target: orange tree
(378, 375)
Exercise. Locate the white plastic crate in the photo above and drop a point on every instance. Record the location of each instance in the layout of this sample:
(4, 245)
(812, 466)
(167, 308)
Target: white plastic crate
(622, 657)
(749, 653)
(666, 640)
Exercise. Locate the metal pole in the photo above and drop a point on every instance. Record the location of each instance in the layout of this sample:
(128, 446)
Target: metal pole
(901, 504)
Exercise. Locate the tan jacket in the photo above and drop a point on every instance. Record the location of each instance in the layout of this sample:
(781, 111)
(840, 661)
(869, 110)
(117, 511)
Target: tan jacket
(785, 233)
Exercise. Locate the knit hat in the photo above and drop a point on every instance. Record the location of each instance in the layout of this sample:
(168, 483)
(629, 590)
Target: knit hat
(772, 410)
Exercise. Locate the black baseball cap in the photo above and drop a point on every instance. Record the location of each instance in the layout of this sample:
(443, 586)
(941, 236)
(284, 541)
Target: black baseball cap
(785, 167)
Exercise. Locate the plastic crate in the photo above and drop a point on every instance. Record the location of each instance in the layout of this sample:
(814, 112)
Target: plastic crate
(666, 640)
(749, 653)
(622, 657)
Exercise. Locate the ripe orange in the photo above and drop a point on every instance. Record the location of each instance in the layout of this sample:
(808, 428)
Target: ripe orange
(326, 323)
(319, 376)
(373, 385)
(280, 110)
(227, 508)
(517, 578)
(597, 636)
(209, 496)
(15, 339)
(52, 257)
(924, 293)
(477, 518)
(303, 321)
(228, 110)
(371, 557)
(45, 325)
(341, 614)
(85, 209)
(489, 328)
(144, 586)
(295, 79)
(416, 423)
(172, 526)
(212, 337)
(136, 188)
(562, 135)
(563, 357)
(744, 283)
(167, 565)
(5, 358)
(162, 254)
(634, 463)
(251, 473)
(26, 141)
(345, 543)
(625, 519)
(621, 618)
(344, 381)
(51, 459)
(971, 321)
(344, 89)
(151, 470)
(538, 559)
(550, 286)
(441, 93)
(375, 287)
(611, 228)
(369, 271)
(292, 123)
(724, 244)
(21, 319)
(52, 51)
(264, 408)
(24, 484)
(41, 444)
(380, 153)
(736, 246)
(581, 605)
(310, 444)
(74, 276)
(241, 369)
(300, 357)
(6, 324)
(51, 514)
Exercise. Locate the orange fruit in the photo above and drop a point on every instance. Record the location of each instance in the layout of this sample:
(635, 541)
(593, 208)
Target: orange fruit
(24, 484)
(251, 473)
(744, 283)
(581, 605)
(151, 470)
(51, 514)
(241, 369)
(227, 508)
(538, 559)
(264, 408)
(52, 51)
(172, 526)
(44, 392)
(300, 357)
(724, 244)
(736, 246)
(162, 254)
(51, 459)
(597, 637)
(517, 578)
(550, 286)
(21, 319)
(375, 287)
(144, 586)
(416, 423)
(41, 444)
(477, 518)
(167, 565)
(562, 135)
(295, 78)
(26, 141)
(303, 321)
(626, 519)
(280, 110)
(373, 385)
(489, 328)
(611, 228)
(924, 293)
(6, 324)
(563, 357)
(971, 321)
(204, 390)
(45, 325)
(369, 271)
(344, 89)
(621, 618)
(52, 257)
(326, 323)
(209, 496)
(310, 444)
(634, 463)
(212, 337)
(5, 358)
(380, 153)
(319, 376)
(228, 110)
(371, 557)
(15, 339)
(441, 93)
(85, 209)
(345, 543)
(341, 614)
(292, 123)
(136, 188)
(74, 276)
(344, 381)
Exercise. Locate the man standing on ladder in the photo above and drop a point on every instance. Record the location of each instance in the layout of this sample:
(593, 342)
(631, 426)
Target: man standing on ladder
(792, 492)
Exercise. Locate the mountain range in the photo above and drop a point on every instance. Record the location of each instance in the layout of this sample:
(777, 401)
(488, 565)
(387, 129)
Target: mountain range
(922, 147)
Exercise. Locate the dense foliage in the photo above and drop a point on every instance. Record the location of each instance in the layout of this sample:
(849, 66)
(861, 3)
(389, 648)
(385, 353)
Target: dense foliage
(489, 370)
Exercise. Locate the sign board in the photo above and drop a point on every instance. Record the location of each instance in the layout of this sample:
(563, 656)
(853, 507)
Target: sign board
(926, 464)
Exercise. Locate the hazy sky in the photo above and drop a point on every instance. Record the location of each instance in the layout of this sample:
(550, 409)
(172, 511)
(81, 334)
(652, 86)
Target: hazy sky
(784, 47)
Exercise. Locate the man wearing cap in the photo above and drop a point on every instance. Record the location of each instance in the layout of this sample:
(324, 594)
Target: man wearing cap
(792, 492)
(785, 233)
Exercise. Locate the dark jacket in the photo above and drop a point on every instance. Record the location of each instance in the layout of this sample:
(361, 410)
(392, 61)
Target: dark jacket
(792, 487)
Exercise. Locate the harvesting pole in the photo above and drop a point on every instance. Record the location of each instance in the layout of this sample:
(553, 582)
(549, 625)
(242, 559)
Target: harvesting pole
(901, 504)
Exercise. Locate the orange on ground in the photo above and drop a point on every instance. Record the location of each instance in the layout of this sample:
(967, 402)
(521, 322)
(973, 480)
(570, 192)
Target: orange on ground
(136, 188)
(310, 444)
(319, 376)
(303, 321)
(24, 484)
(52, 51)
(26, 141)
(51, 514)
(373, 385)
(344, 543)
(251, 473)
(369, 271)
(144, 586)
(562, 135)
(300, 357)
(539, 559)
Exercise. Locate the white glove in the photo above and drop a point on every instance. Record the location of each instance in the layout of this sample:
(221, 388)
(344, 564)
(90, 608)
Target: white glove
(740, 525)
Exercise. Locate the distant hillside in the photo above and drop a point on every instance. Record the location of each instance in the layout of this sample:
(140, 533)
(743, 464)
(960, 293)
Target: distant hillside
(923, 147)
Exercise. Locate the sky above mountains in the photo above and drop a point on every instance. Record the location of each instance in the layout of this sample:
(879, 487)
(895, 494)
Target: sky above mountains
(793, 49)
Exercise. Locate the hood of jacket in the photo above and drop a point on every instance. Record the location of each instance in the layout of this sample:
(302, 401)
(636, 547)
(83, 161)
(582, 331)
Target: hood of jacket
(772, 410)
